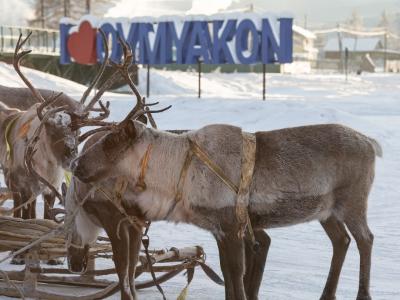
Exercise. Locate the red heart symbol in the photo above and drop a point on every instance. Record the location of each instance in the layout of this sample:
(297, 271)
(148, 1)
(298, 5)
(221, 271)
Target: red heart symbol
(82, 44)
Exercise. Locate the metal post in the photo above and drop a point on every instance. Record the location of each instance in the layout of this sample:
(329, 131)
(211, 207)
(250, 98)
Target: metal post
(385, 53)
(199, 70)
(346, 62)
(54, 41)
(2, 38)
(46, 35)
(12, 38)
(264, 79)
(148, 82)
(29, 40)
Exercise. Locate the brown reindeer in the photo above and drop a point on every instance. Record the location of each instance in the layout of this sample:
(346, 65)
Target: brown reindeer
(319, 172)
(96, 213)
(22, 98)
(58, 137)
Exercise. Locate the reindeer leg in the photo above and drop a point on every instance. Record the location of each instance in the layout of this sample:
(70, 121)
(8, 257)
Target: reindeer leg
(364, 238)
(229, 291)
(255, 264)
(120, 247)
(119, 237)
(231, 252)
(49, 199)
(17, 202)
(340, 243)
(135, 238)
(32, 210)
(26, 211)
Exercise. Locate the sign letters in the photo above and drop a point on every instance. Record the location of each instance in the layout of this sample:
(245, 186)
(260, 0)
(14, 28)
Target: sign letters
(228, 41)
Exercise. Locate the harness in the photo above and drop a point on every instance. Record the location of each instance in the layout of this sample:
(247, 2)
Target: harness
(22, 132)
(7, 132)
(242, 191)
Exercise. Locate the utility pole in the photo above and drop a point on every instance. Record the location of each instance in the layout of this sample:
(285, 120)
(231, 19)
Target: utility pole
(385, 54)
(340, 48)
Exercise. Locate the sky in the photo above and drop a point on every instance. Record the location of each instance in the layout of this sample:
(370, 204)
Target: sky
(317, 12)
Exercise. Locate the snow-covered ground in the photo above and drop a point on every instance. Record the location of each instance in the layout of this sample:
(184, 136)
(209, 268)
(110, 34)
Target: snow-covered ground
(299, 257)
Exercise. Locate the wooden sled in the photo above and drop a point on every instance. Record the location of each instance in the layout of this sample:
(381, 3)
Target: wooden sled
(58, 283)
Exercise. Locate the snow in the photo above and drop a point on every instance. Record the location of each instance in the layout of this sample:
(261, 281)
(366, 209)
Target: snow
(299, 257)
(304, 32)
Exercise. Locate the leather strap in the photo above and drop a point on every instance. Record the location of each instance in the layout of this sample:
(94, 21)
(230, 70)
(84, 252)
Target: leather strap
(243, 191)
(243, 195)
(203, 156)
(141, 184)
(182, 177)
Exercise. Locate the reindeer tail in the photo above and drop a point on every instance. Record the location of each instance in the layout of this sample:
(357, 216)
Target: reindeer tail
(377, 147)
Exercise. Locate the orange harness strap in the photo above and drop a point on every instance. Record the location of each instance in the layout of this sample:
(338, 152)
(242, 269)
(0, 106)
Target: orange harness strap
(141, 184)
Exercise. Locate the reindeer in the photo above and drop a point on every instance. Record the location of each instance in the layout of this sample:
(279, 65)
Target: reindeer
(22, 98)
(98, 212)
(58, 135)
(301, 174)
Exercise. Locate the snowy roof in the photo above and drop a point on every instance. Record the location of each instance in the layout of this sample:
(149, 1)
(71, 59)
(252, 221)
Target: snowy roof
(354, 44)
(304, 32)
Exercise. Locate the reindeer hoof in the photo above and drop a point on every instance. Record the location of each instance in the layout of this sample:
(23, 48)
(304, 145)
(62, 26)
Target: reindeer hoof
(327, 297)
(364, 297)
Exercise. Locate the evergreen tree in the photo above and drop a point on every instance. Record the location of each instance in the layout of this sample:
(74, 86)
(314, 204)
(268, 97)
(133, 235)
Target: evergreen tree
(384, 22)
(355, 22)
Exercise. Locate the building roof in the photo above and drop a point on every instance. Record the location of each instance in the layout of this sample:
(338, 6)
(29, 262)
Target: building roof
(354, 44)
(304, 32)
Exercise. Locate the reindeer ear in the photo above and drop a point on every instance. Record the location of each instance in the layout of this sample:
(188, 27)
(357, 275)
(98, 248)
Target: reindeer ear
(129, 129)
(142, 119)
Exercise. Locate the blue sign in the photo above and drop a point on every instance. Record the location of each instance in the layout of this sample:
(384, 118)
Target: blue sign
(244, 41)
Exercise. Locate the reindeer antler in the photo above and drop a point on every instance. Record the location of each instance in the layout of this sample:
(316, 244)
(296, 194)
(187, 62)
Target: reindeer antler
(18, 56)
(141, 108)
(101, 71)
(30, 150)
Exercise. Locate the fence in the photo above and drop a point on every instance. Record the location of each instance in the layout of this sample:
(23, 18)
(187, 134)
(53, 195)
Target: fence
(44, 41)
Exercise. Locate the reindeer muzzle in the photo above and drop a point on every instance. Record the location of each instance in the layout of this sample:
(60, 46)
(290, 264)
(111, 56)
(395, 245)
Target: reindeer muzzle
(78, 258)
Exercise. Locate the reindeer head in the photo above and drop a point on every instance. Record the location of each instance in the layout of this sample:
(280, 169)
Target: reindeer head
(113, 146)
(61, 127)
(111, 150)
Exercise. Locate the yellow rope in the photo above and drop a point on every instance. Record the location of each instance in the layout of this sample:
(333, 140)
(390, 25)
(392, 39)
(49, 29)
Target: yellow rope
(7, 132)
(67, 177)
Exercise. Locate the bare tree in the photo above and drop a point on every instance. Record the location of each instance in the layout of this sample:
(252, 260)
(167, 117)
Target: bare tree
(48, 12)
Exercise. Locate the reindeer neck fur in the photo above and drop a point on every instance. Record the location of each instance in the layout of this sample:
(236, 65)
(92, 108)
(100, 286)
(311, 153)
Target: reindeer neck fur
(168, 152)
(47, 163)
(201, 188)
(86, 227)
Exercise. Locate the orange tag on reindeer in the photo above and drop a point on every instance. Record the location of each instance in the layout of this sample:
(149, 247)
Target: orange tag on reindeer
(23, 131)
